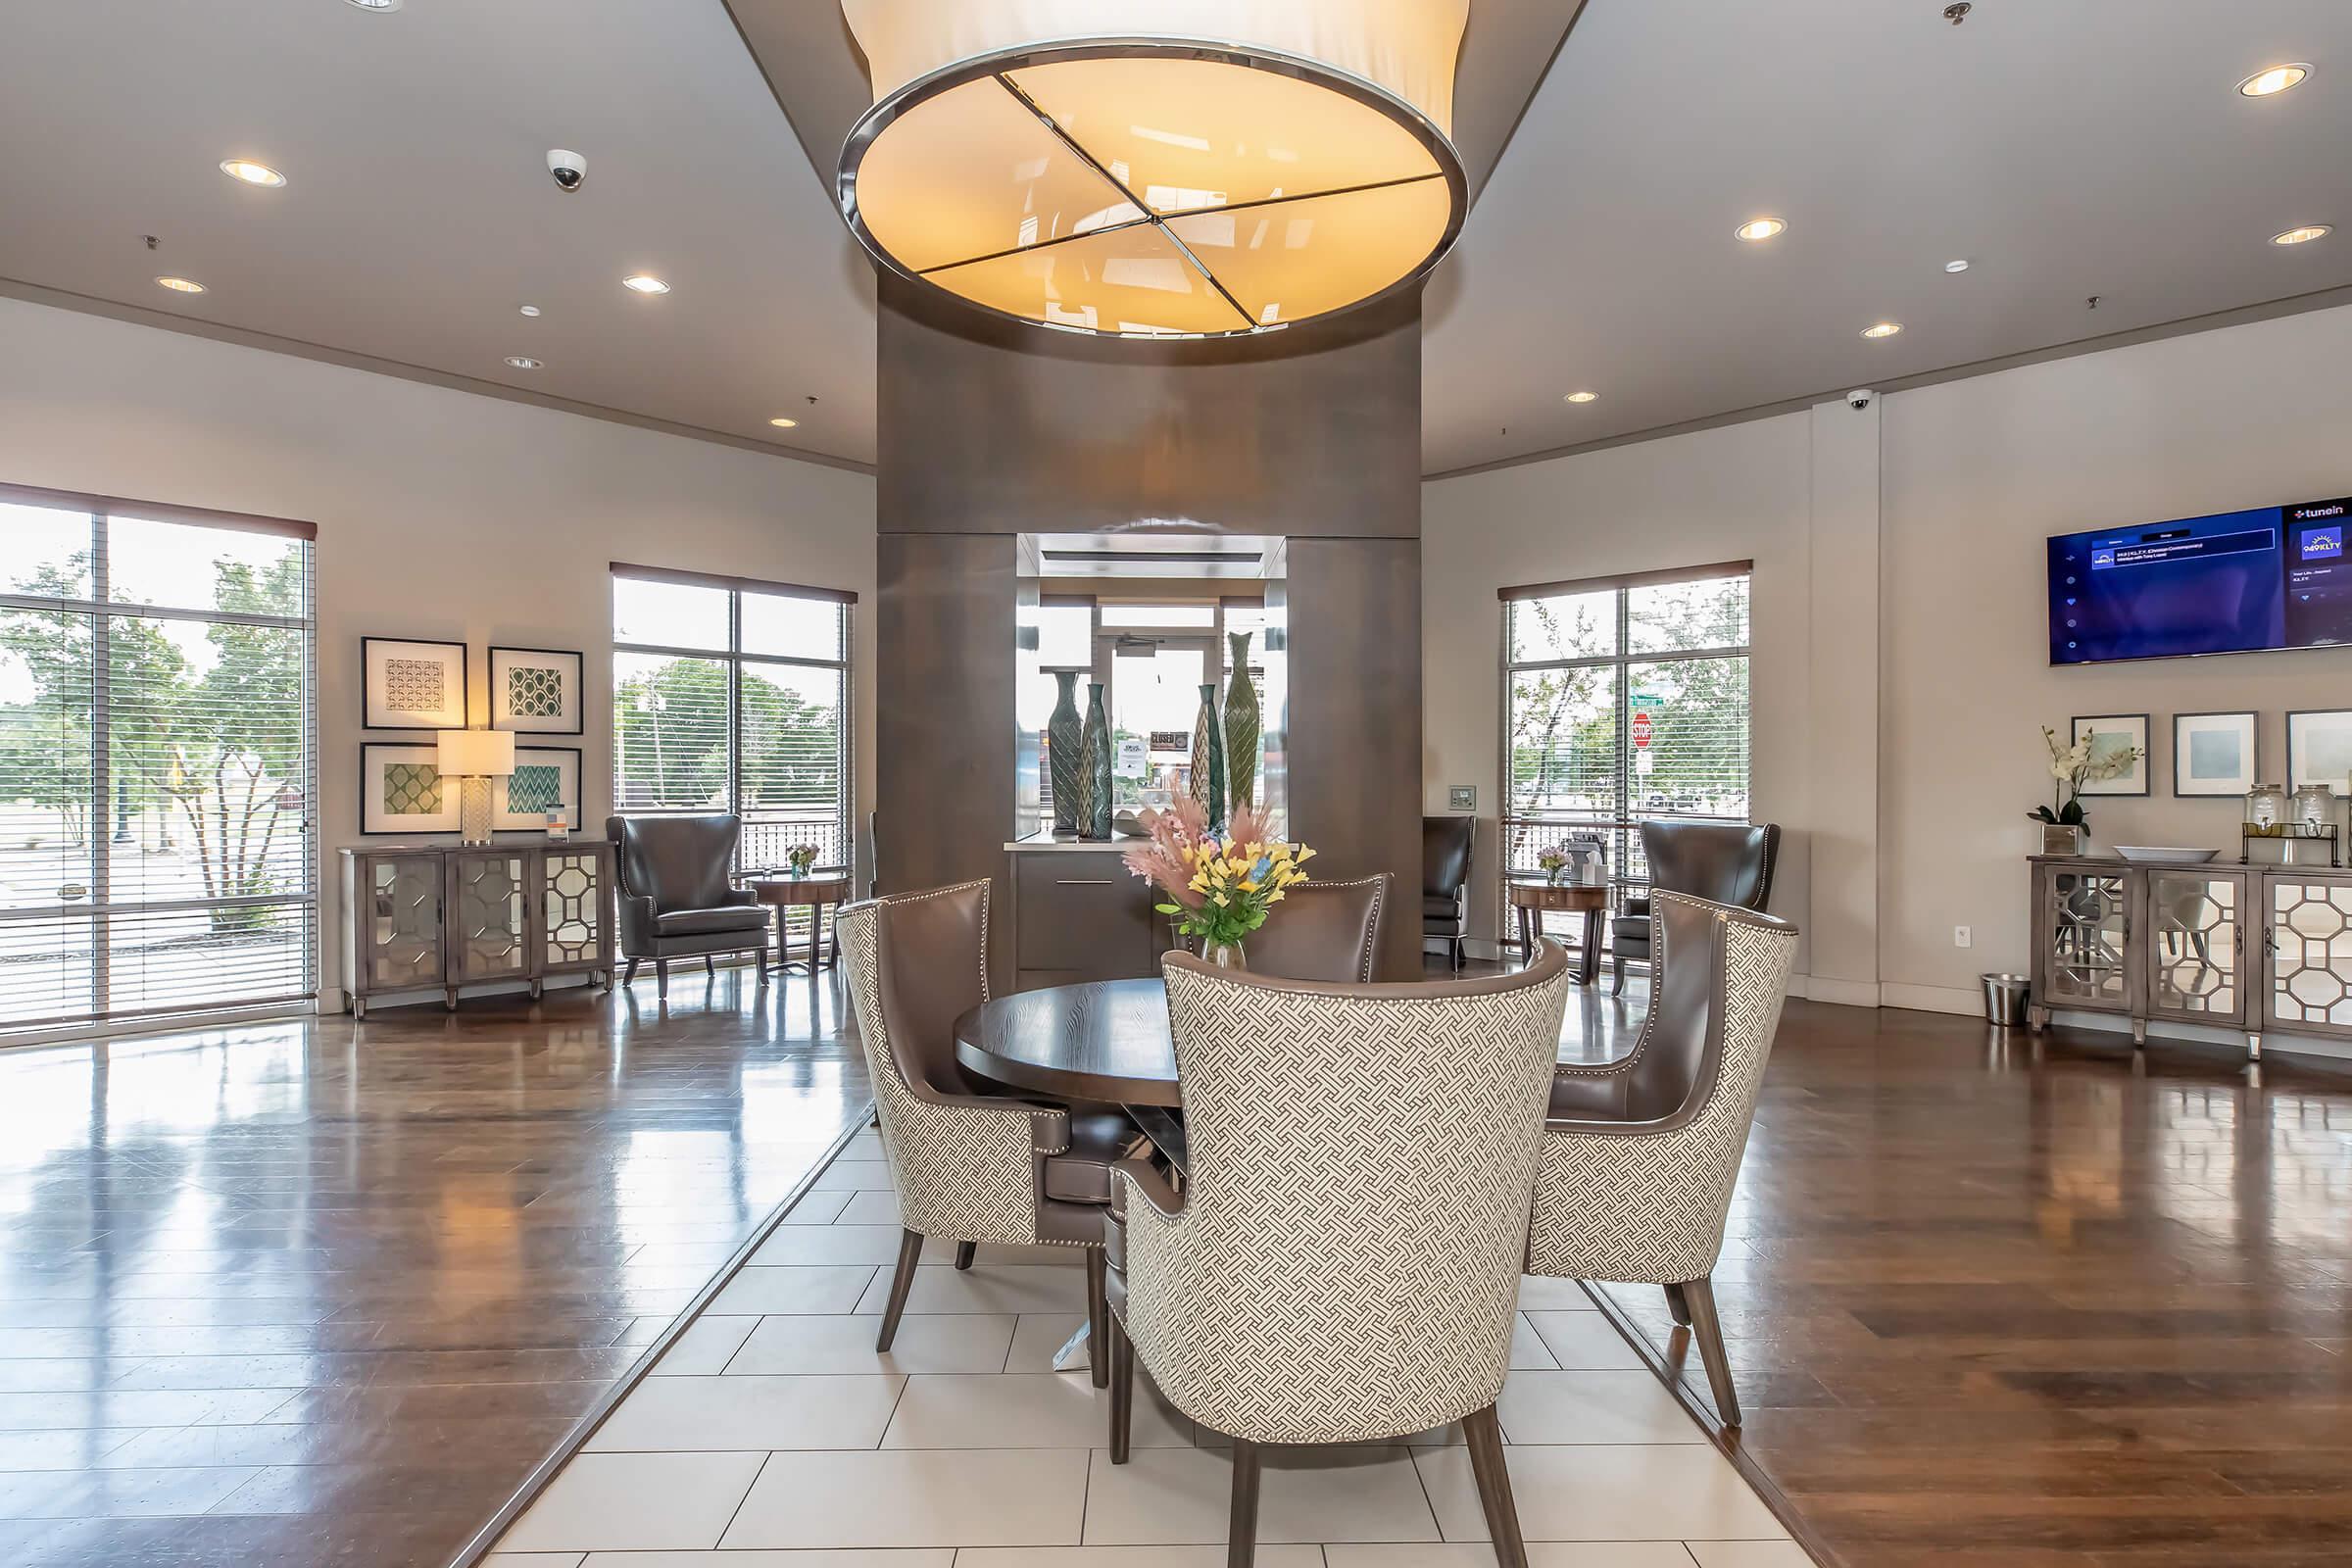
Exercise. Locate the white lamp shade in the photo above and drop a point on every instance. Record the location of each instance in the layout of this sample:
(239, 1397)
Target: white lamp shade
(476, 753)
(1155, 168)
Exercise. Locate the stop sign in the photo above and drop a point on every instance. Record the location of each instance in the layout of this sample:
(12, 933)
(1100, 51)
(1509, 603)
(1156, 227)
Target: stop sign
(1641, 731)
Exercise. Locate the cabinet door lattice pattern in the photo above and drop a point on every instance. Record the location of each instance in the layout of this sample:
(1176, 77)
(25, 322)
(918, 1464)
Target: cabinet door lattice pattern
(2311, 958)
(2194, 954)
(575, 909)
(2090, 918)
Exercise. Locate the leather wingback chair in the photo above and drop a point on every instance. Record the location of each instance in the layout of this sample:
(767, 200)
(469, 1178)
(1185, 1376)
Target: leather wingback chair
(1343, 1263)
(1446, 844)
(1723, 862)
(1641, 1155)
(675, 899)
(1323, 931)
(970, 1165)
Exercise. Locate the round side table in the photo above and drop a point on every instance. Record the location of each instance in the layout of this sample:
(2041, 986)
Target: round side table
(787, 893)
(1532, 899)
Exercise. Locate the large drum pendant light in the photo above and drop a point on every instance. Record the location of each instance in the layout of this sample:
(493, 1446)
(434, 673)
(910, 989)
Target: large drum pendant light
(1158, 168)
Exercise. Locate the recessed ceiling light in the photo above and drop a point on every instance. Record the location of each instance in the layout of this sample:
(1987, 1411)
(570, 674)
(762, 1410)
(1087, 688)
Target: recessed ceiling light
(523, 361)
(376, 5)
(251, 173)
(181, 286)
(1956, 265)
(782, 423)
(2304, 235)
(1882, 329)
(645, 284)
(1582, 397)
(2274, 78)
(530, 310)
(1761, 228)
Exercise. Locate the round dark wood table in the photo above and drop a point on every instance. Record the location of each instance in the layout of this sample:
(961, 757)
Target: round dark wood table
(1105, 1041)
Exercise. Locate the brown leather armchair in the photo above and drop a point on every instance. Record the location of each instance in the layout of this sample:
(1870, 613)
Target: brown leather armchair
(1446, 844)
(971, 1162)
(1723, 862)
(674, 896)
(1327, 931)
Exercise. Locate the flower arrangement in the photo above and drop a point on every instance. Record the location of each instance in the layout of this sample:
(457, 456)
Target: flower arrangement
(1220, 888)
(801, 856)
(1552, 862)
(2072, 767)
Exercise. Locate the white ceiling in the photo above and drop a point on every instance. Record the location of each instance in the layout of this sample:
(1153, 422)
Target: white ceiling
(418, 212)
(2064, 149)
(2091, 147)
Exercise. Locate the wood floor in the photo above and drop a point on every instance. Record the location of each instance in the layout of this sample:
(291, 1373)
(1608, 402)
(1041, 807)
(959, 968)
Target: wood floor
(2000, 1305)
(322, 1294)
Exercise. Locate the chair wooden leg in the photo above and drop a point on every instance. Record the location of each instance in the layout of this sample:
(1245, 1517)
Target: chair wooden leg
(911, 1250)
(630, 978)
(1677, 1305)
(1241, 1535)
(1098, 1317)
(1122, 1388)
(1705, 1328)
(710, 966)
(661, 979)
(1494, 1487)
(965, 1251)
(1617, 975)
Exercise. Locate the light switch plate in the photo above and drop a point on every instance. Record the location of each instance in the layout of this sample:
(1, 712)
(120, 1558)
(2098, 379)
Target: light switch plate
(1462, 797)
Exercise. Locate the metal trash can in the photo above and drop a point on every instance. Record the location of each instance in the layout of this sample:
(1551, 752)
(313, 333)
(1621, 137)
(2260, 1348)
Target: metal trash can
(2005, 999)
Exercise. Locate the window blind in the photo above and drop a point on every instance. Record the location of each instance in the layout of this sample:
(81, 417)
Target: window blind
(1625, 699)
(157, 760)
(730, 695)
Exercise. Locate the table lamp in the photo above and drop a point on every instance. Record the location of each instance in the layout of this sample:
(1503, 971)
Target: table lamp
(474, 756)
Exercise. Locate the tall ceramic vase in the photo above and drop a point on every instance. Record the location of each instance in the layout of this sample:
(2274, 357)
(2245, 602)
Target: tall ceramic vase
(1241, 727)
(1093, 768)
(1209, 759)
(1065, 735)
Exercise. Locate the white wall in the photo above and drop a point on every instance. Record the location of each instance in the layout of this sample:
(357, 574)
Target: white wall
(440, 513)
(1907, 776)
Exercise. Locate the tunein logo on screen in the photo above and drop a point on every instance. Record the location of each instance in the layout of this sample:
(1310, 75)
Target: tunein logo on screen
(2322, 544)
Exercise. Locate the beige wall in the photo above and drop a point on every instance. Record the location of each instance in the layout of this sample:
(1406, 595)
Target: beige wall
(1900, 671)
(440, 513)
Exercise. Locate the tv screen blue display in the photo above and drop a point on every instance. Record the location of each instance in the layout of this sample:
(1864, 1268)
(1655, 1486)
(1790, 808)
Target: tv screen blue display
(2231, 583)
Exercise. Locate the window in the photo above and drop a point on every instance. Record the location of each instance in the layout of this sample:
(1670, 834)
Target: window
(157, 760)
(730, 695)
(1624, 698)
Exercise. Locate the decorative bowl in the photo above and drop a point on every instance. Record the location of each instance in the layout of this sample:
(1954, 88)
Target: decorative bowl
(2164, 855)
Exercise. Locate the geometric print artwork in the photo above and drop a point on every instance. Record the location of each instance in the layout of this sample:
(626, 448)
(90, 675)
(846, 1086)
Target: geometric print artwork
(534, 691)
(413, 685)
(534, 787)
(411, 789)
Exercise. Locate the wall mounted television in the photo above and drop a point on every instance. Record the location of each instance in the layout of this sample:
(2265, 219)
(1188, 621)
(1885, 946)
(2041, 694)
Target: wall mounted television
(2234, 582)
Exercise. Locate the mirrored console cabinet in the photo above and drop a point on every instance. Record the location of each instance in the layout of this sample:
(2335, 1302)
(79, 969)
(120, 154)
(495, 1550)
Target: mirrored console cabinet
(442, 916)
(2254, 948)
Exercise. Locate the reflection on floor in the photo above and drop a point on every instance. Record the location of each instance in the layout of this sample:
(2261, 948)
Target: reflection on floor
(774, 1425)
(308, 1293)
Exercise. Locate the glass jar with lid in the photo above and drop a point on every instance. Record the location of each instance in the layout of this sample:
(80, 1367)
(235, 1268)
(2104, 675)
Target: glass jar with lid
(2315, 807)
(2266, 808)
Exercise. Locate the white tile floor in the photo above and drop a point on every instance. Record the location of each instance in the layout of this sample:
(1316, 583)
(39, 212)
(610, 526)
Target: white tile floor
(772, 1435)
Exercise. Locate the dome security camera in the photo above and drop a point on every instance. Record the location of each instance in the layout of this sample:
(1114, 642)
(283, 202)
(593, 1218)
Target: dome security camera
(1861, 398)
(568, 167)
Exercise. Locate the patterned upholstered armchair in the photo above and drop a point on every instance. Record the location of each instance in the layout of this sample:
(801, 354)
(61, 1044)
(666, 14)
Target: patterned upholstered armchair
(972, 1166)
(1323, 931)
(1640, 1155)
(1343, 1263)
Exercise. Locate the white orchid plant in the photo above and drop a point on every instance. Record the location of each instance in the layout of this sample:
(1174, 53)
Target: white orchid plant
(2072, 767)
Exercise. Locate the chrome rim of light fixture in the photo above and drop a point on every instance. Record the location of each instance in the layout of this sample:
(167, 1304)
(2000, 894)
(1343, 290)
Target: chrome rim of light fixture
(875, 121)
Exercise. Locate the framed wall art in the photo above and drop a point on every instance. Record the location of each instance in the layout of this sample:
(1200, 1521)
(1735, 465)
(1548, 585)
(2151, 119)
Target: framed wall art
(2110, 733)
(412, 685)
(2319, 748)
(544, 776)
(535, 691)
(2214, 754)
(402, 791)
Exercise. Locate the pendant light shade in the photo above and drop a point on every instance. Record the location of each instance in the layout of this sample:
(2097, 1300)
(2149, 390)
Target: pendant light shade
(1157, 167)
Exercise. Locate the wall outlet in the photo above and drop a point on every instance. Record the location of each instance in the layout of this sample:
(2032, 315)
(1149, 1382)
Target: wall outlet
(1960, 936)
